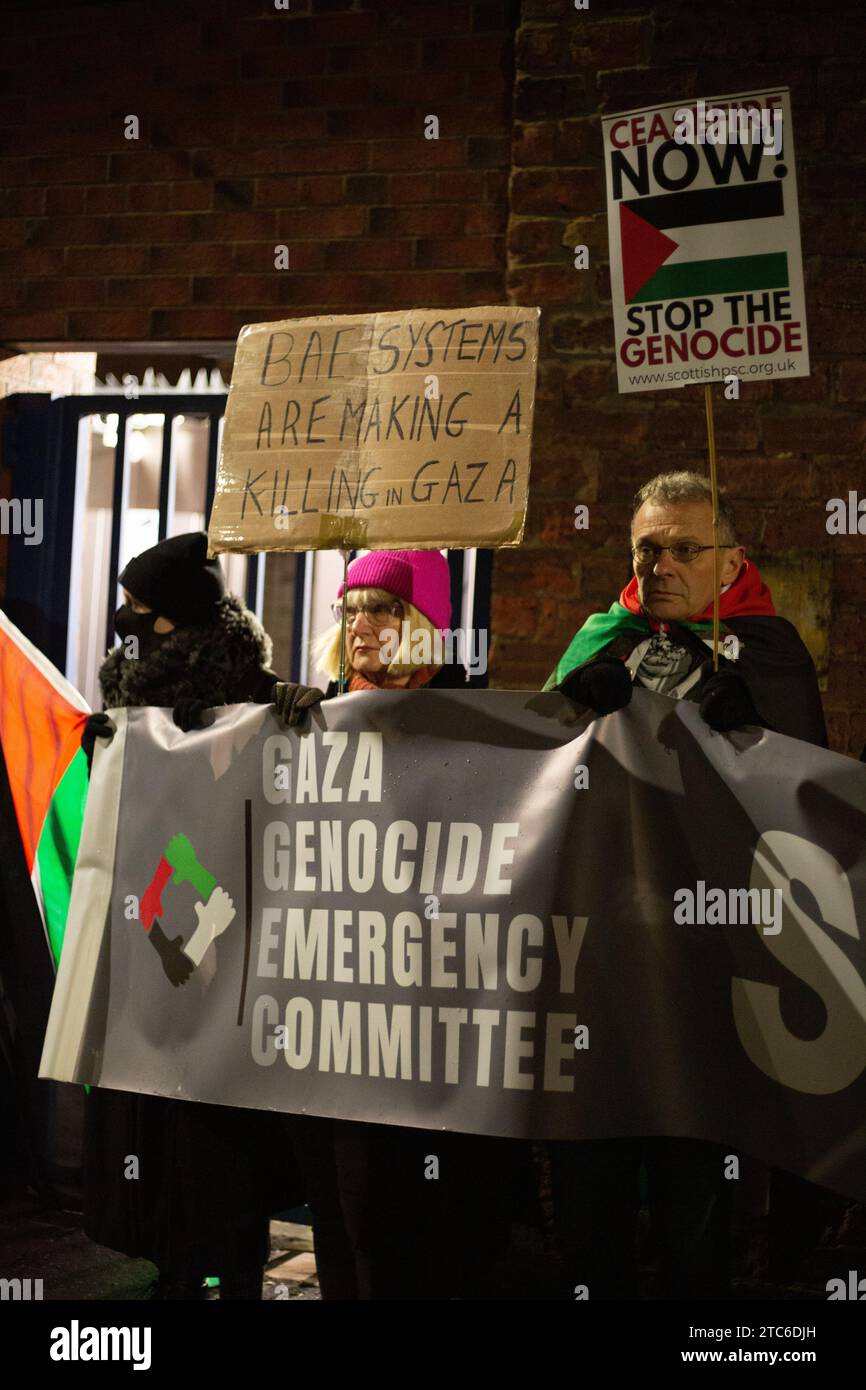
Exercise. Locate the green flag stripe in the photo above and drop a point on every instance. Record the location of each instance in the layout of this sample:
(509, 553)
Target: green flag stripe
(598, 631)
(58, 848)
(730, 275)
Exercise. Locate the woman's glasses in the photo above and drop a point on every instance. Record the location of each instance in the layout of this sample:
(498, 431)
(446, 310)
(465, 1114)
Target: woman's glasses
(378, 613)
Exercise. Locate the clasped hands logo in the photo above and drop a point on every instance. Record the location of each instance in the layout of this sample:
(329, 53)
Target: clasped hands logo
(215, 910)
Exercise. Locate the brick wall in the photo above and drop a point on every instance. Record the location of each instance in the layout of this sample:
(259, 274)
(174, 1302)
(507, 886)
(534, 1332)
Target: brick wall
(257, 127)
(260, 127)
(784, 448)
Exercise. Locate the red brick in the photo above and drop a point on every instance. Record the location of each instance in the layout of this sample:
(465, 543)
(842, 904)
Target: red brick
(451, 187)
(428, 17)
(150, 290)
(349, 221)
(856, 744)
(847, 681)
(379, 254)
(589, 334)
(416, 153)
(805, 434)
(808, 389)
(380, 122)
(148, 197)
(67, 292)
(765, 478)
(422, 219)
(109, 323)
(835, 333)
(417, 188)
(430, 90)
(139, 163)
(221, 291)
(68, 169)
(12, 292)
(199, 258)
(478, 251)
(851, 380)
(621, 43)
(797, 528)
(534, 143)
(105, 198)
(547, 98)
(192, 196)
(849, 579)
(65, 198)
(547, 284)
(571, 191)
(256, 127)
(23, 202)
(535, 239)
(540, 48)
(107, 260)
(479, 218)
(430, 288)
(838, 724)
(379, 57)
(578, 142)
(839, 84)
(194, 323)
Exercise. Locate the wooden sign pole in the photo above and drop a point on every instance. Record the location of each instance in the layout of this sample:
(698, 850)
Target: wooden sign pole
(714, 484)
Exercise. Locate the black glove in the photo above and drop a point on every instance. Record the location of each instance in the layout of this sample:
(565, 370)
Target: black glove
(188, 711)
(96, 726)
(604, 685)
(725, 700)
(176, 965)
(291, 702)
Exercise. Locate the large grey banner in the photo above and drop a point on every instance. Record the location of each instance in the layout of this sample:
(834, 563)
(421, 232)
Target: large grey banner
(478, 911)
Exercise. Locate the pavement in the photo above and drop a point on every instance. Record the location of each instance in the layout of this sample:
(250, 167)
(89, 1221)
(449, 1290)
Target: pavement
(50, 1245)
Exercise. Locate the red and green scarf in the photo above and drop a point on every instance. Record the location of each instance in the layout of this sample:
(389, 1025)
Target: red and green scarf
(747, 596)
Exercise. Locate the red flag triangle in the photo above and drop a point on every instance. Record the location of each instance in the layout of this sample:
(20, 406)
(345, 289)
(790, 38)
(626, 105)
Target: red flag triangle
(644, 249)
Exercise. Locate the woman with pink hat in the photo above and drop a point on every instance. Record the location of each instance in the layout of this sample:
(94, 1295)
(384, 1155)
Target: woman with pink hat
(381, 1228)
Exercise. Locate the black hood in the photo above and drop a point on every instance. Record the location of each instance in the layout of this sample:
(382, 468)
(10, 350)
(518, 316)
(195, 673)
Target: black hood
(222, 663)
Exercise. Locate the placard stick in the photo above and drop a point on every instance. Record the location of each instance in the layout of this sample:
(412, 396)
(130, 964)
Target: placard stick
(341, 683)
(714, 484)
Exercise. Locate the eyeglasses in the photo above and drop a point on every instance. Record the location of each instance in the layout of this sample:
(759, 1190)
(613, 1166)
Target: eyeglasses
(681, 551)
(378, 613)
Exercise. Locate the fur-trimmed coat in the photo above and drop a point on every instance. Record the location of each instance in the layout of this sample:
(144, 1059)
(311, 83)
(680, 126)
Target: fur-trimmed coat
(210, 1175)
(223, 663)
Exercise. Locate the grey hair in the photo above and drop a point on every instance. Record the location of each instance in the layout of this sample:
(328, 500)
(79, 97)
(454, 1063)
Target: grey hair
(687, 486)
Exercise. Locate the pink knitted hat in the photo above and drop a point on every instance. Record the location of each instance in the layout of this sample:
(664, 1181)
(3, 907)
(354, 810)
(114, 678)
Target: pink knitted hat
(421, 577)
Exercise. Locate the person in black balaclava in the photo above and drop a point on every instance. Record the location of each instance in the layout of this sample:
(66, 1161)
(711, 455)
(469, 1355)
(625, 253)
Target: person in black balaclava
(209, 1175)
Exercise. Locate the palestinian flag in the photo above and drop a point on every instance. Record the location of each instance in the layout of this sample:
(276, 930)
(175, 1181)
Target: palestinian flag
(747, 596)
(41, 719)
(670, 242)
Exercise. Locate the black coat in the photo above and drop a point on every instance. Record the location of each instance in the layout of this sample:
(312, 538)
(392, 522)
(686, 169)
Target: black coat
(383, 1230)
(209, 1175)
(775, 664)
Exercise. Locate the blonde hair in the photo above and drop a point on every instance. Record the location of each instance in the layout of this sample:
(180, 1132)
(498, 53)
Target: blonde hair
(325, 650)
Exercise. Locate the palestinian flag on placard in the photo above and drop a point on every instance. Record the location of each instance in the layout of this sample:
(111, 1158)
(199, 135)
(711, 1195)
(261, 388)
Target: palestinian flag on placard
(41, 719)
(671, 242)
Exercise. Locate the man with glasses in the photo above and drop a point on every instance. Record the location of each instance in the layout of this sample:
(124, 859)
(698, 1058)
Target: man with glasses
(659, 635)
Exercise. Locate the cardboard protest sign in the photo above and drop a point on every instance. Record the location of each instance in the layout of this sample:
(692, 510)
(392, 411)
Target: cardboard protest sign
(378, 430)
(412, 912)
(703, 224)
